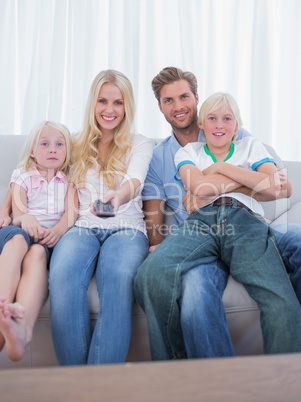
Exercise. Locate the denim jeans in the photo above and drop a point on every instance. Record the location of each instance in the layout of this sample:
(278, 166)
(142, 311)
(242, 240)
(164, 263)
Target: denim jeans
(288, 239)
(244, 242)
(114, 256)
(203, 319)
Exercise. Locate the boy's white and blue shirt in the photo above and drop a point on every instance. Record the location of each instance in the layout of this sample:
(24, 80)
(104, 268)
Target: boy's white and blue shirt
(160, 183)
(247, 153)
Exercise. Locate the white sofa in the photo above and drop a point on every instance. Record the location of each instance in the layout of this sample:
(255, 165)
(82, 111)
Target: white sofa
(242, 312)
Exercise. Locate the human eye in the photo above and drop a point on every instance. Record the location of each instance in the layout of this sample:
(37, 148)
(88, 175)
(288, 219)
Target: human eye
(119, 102)
(60, 144)
(101, 100)
(167, 100)
(212, 118)
(44, 143)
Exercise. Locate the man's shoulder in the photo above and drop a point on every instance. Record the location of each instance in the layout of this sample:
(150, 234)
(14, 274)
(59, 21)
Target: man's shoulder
(161, 147)
(243, 133)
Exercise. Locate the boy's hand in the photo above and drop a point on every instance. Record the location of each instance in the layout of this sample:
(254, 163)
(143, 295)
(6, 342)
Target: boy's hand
(282, 177)
(214, 168)
(191, 202)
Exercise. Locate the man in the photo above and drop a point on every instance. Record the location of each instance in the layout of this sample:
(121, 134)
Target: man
(204, 331)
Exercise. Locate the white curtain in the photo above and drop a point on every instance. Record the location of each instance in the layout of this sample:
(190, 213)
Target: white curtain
(51, 50)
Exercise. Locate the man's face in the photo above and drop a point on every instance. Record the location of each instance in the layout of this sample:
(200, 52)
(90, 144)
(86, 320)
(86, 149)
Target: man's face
(179, 105)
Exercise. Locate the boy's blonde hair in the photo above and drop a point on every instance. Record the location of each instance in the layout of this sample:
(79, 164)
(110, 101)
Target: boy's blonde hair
(220, 100)
(85, 153)
(26, 160)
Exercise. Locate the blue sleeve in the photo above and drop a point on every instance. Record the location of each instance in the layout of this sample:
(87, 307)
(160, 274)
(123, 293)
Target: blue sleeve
(153, 186)
(177, 176)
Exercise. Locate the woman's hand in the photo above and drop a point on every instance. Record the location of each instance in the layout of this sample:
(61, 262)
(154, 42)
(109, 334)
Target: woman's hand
(114, 197)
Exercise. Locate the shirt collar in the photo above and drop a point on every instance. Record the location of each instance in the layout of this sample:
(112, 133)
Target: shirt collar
(37, 178)
(175, 143)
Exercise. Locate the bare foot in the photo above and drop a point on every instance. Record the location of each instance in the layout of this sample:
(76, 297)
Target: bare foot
(13, 329)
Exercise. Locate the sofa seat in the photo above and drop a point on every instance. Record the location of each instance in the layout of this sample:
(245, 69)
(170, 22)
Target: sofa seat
(241, 311)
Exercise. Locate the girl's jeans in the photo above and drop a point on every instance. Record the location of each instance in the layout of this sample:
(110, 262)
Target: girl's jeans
(244, 242)
(114, 256)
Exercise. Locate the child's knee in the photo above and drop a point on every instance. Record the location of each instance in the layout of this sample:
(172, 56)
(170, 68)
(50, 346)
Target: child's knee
(18, 241)
(37, 251)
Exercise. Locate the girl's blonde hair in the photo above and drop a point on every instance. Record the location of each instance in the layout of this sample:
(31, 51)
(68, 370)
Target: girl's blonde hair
(26, 160)
(85, 153)
(220, 100)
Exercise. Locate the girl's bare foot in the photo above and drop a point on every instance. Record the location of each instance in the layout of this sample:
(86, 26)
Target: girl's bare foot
(13, 329)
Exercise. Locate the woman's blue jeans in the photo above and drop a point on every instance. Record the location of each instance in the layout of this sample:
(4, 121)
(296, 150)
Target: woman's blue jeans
(244, 242)
(114, 255)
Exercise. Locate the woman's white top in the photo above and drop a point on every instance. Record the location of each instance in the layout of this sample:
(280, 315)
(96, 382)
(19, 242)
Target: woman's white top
(129, 215)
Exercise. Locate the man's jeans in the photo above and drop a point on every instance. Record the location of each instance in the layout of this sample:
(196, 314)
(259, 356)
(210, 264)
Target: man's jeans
(245, 243)
(114, 256)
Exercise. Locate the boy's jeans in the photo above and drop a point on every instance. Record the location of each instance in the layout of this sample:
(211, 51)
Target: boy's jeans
(245, 243)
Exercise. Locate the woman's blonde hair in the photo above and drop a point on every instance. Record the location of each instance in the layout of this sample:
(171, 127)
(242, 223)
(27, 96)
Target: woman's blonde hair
(85, 153)
(26, 160)
(220, 100)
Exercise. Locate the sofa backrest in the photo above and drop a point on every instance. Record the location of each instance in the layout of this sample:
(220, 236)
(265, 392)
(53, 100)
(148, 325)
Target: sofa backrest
(11, 147)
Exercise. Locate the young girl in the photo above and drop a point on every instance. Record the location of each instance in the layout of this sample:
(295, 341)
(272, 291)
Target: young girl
(109, 163)
(44, 208)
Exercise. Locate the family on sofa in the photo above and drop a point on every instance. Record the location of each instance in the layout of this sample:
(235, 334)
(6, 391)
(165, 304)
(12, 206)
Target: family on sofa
(181, 283)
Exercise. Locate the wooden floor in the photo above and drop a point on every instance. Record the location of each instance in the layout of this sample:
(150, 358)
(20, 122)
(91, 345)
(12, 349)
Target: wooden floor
(241, 379)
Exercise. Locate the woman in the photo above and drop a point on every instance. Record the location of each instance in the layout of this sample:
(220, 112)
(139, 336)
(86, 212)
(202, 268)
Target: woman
(109, 163)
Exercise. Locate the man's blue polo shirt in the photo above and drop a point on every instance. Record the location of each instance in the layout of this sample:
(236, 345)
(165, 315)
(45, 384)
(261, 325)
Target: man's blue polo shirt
(160, 183)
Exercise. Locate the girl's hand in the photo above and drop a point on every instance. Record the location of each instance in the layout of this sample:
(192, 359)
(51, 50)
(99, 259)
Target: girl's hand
(32, 226)
(51, 237)
(5, 219)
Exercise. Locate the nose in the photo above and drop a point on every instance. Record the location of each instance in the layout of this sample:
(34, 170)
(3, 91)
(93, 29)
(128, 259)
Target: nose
(52, 148)
(219, 123)
(109, 107)
(178, 104)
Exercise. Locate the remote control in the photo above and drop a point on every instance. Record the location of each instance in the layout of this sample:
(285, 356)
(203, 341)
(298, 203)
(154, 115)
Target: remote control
(104, 210)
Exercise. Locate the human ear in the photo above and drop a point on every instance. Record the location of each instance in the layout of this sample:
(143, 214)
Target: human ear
(160, 107)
